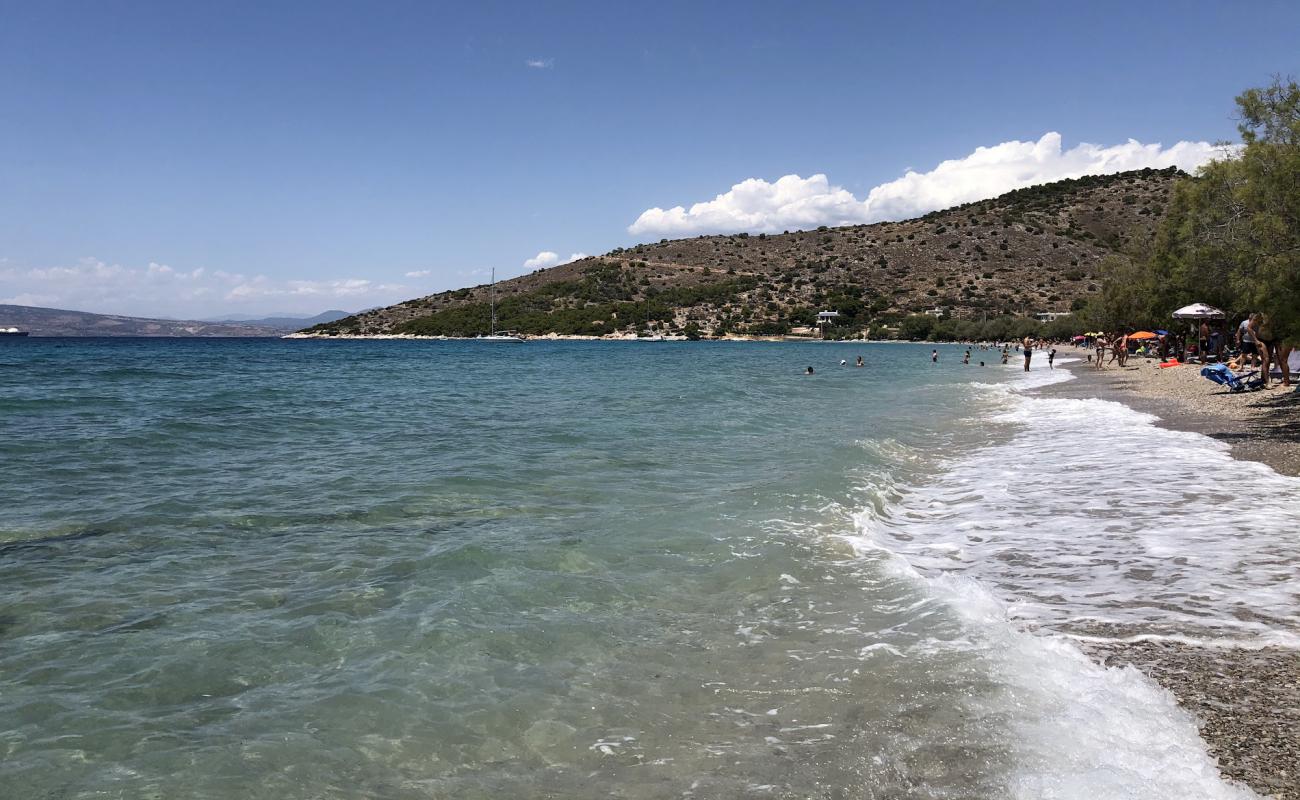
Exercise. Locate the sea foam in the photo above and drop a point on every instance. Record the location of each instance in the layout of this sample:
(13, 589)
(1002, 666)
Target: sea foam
(1089, 521)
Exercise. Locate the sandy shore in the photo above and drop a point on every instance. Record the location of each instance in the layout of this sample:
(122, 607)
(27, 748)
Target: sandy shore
(1247, 700)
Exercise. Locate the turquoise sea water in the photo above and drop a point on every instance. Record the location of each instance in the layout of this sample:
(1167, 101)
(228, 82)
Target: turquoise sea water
(297, 569)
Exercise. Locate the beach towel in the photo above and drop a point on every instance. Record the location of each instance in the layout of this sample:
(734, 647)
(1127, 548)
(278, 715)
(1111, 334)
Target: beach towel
(1220, 374)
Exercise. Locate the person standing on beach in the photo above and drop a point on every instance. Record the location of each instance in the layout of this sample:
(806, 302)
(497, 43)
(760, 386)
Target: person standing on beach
(1246, 342)
(1261, 330)
(1284, 360)
(1101, 350)
(1029, 351)
(1051, 356)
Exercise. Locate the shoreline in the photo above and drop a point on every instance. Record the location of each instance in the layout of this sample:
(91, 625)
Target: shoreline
(1261, 426)
(1246, 700)
(566, 337)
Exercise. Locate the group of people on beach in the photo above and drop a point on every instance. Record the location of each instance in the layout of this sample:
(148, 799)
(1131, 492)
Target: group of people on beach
(1256, 348)
(1259, 348)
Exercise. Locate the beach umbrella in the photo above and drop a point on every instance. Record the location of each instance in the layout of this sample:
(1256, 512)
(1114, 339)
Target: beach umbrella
(1198, 311)
(1142, 335)
(1078, 338)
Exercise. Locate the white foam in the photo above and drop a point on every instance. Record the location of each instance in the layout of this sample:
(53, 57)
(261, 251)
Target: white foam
(1064, 529)
(1090, 516)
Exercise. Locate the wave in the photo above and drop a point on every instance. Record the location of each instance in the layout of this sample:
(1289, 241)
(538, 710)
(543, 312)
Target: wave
(1083, 520)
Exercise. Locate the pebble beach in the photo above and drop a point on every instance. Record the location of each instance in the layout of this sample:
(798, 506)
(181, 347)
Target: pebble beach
(1246, 700)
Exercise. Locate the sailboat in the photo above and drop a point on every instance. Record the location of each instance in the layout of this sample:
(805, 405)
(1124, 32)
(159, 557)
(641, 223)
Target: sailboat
(493, 336)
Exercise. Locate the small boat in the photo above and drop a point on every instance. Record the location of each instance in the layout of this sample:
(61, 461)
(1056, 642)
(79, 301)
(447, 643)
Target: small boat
(493, 336)
(12, 332)
(652, 337)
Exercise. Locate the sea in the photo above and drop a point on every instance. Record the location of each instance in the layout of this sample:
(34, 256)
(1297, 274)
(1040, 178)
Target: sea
(263, 568)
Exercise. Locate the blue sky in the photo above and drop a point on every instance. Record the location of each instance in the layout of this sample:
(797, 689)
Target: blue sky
(192, 159)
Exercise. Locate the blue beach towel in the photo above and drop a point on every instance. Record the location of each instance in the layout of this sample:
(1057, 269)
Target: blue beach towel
(1220, 374)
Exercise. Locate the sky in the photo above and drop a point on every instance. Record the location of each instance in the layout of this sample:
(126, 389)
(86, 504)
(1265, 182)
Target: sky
(202, 159)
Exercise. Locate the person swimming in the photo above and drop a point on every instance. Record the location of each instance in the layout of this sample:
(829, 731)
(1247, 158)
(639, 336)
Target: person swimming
(934, 356)
(844, 362)
(809, 371)
(860, 362)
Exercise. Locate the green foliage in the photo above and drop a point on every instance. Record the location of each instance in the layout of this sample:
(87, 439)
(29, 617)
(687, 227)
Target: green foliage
(1232, 234)
(601, 302)
(916, 327)
(922, 327)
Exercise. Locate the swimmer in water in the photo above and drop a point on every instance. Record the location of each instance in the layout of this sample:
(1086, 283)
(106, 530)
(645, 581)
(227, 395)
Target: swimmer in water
(843, 362)
(809, 372)
(934, 356)
(860, 364)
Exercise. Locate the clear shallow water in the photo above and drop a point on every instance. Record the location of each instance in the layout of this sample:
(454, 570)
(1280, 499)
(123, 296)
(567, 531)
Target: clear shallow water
(241, 569)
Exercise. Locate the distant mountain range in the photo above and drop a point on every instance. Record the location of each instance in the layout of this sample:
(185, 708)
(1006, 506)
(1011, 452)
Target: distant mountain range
(285, 321)
(61, 322)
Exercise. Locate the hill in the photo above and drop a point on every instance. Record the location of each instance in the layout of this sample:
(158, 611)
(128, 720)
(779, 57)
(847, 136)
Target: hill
(1028, 251)
(59, 322)
(284, 322)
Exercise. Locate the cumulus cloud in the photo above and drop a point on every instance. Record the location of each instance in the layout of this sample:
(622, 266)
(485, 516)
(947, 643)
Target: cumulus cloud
(157, 289)
(540, 63)
(793, 202)
(419, 273)
(546, 258)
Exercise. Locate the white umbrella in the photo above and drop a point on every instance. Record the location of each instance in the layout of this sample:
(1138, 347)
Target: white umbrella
(1199, 311)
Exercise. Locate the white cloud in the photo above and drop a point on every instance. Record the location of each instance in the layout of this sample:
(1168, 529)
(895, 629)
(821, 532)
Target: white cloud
(540, 63)
(162, 290)
(542, 260)
(546, 258)
(419, 273)
(793, 202)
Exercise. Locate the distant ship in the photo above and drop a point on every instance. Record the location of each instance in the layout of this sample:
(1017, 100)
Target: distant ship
(12, 332)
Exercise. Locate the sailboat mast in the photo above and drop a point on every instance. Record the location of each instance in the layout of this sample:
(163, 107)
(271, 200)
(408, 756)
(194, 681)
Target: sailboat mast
(493, 323)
